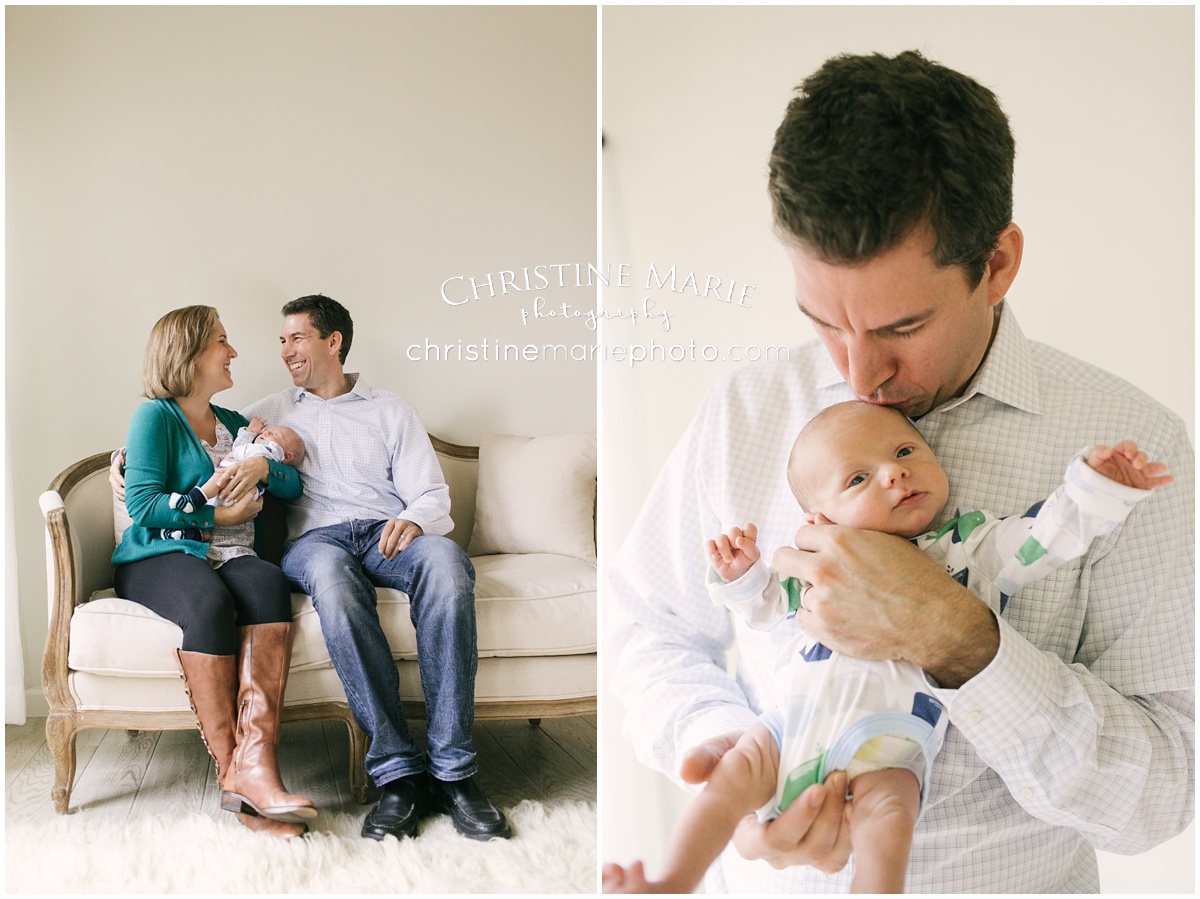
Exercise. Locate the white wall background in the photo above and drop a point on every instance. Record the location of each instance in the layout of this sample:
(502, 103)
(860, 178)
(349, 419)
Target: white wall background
(240, 157)
(1101, 101)
(158, 157)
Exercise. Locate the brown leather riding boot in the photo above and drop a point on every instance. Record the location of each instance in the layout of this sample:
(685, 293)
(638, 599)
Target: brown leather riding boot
(211, 686)
(252, 783)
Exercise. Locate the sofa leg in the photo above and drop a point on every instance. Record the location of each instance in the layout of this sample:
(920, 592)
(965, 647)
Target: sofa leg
(536, 722)
(358, 761)
(60, 737)
(131, 734)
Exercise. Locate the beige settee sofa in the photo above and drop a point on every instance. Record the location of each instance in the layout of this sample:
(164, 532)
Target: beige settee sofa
(109, 662)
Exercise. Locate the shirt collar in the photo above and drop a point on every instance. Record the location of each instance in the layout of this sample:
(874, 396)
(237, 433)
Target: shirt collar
(1007, 374)
(359, 389)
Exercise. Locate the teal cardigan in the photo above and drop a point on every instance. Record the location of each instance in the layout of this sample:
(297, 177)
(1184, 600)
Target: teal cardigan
(164, 456)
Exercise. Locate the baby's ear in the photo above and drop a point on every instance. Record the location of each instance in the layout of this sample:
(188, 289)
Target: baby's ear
(287, 456)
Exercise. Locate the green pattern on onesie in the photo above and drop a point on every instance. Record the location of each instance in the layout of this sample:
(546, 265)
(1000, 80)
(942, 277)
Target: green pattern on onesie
(1030, 552)
(801, 778)
(792, 586)
(965, 524)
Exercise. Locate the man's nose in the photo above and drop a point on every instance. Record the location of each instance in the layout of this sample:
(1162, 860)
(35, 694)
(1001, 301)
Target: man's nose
(868, 368)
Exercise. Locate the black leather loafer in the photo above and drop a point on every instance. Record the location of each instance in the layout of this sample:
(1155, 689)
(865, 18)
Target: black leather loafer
(473, 815)
(398, 810)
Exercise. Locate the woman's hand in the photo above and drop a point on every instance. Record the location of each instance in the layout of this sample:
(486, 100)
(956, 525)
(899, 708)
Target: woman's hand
(242, 511)
(242, 478)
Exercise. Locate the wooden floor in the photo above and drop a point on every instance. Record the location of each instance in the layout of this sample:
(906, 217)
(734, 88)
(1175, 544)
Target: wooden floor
(120, 777)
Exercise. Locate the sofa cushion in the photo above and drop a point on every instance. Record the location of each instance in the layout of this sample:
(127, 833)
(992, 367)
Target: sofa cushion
(521, 680)
(525, 605)
(536, 495)
(121, 638)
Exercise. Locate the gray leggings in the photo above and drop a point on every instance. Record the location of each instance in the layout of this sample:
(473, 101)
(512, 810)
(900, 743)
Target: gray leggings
(209, 604)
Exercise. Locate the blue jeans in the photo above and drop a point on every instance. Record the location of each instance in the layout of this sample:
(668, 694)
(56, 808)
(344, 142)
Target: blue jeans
(339, 566)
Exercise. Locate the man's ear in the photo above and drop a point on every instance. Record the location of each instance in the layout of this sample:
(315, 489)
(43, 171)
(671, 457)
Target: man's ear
(335, 342)
(1002, 267)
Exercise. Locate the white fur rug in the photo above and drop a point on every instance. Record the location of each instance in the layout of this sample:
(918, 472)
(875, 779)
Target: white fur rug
(553, 850)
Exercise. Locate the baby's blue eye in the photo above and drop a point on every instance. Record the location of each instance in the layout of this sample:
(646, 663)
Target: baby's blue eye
(903, 451)
(857, 479)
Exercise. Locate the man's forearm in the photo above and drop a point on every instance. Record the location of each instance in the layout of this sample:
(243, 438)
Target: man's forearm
(963, 640)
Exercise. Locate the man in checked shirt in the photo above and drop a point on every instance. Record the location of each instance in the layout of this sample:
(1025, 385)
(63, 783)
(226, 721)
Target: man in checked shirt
(374, 512)
(1072, 714)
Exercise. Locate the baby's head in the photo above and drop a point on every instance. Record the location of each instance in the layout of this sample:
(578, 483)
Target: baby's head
(293, 446)
(867, 467)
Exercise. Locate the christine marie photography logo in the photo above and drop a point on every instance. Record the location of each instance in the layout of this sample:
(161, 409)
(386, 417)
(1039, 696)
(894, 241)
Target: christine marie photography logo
(535, 294)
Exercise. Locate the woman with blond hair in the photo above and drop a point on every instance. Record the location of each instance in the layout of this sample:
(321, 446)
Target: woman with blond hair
(234, 608)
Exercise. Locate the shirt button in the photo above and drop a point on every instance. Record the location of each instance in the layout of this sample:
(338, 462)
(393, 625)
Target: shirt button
(975, 717)
(1027, 793)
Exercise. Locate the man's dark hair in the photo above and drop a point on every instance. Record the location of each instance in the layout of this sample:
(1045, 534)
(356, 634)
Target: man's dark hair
(872, 147)
(327, 315)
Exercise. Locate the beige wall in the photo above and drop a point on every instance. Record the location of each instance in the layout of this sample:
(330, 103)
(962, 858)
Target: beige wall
(1101, 102)
(241, 157)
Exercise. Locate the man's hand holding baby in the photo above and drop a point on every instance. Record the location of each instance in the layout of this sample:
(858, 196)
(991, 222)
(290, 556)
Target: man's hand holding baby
(807, 832)
(876, 596)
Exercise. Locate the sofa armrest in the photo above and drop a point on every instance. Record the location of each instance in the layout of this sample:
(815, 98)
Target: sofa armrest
(60, 580)
(460, 467)
(77, 508)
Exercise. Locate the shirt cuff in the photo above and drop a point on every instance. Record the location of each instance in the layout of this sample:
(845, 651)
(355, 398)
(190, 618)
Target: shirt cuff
(439, 527)
(1013, 686)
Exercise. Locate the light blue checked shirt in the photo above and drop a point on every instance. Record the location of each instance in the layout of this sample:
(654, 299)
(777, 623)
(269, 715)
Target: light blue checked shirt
(366, 456)
(1080, 733)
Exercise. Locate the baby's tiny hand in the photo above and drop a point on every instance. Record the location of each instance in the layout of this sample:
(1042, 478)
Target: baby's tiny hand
(733, 555)
(616, 879)
(256, 426)
(1126, 464)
